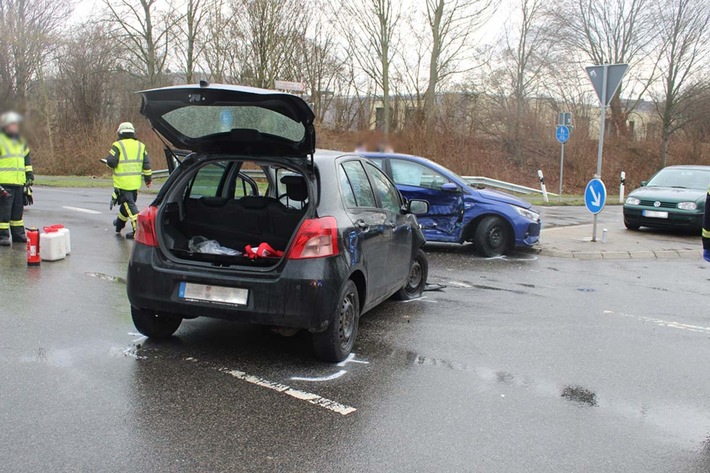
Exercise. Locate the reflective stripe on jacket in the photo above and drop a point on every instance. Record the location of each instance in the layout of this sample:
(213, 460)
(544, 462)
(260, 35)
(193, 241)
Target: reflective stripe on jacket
(12, 160)
(127, 173)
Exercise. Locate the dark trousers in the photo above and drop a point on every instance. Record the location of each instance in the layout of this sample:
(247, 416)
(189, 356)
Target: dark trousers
(127, 210)
(11, 210)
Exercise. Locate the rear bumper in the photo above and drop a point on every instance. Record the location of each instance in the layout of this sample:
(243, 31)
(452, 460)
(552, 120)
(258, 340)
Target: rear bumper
(676, 219)
(303, 295)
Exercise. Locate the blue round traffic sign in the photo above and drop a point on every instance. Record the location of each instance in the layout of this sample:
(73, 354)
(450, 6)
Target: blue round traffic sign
(595, 196)
(562, 133)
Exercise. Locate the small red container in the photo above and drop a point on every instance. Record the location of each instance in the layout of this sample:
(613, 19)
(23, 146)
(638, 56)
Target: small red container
(33, 258)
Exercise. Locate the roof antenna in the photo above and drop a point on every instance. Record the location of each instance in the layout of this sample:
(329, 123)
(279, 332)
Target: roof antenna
(204, 83)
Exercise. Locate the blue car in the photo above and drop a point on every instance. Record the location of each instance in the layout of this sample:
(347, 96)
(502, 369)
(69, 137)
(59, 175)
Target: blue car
(494, 222)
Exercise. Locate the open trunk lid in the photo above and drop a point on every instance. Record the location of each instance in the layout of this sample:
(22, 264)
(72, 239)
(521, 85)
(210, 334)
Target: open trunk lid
(231, 119)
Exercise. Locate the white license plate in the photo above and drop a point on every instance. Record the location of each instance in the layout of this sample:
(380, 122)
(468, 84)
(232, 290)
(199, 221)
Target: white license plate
(202, 292)
(655, 214)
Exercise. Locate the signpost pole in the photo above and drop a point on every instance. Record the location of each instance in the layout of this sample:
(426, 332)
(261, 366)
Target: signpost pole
(602, 117)
(562, 167)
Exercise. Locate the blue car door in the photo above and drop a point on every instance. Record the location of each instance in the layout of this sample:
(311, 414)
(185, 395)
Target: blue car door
(444, 220)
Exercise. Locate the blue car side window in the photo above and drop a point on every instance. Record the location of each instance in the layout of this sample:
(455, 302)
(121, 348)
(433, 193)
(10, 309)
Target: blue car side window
(407, 173)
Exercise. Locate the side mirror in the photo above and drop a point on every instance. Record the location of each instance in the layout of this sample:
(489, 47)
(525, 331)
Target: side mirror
(417, 207)
(643, 183)
(449, 187)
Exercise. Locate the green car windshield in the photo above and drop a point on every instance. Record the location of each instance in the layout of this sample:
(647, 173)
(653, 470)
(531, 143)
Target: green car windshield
(681, 179)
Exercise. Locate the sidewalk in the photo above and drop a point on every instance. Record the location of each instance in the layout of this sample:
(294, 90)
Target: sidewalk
(575, 242)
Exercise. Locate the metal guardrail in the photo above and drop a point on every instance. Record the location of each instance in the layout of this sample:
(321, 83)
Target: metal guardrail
(472, 180)
(508, 186)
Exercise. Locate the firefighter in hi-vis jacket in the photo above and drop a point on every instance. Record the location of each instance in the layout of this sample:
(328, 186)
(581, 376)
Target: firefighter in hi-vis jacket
(15, 173)
(129, 160)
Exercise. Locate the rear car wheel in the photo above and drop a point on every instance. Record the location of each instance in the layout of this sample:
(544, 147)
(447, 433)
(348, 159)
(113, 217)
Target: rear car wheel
(336, 342)
(631, 226)
(155, 325)
(418, 273)
(492, 237)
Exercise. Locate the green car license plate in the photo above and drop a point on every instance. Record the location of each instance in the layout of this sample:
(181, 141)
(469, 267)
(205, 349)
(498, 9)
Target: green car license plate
(203, 292)
(655, 214)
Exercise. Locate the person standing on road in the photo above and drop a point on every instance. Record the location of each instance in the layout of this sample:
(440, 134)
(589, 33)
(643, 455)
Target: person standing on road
(129, 160)
(15, 172)
(706, 229)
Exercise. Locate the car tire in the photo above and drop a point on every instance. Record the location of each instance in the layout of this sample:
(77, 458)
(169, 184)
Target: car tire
(631, 226)
(492, 237)
(336, 342)
(155, 325)
(418, 273)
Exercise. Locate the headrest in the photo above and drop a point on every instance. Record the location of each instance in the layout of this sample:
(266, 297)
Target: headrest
(296, 188)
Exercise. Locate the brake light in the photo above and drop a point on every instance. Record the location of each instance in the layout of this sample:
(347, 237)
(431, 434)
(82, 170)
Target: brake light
(317, 238)
(145, 227)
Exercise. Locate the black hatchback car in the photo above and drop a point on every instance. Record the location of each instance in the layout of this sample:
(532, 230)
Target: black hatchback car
(255, 226)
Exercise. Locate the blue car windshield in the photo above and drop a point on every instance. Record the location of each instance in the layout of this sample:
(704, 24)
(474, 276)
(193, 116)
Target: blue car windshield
(681, 179)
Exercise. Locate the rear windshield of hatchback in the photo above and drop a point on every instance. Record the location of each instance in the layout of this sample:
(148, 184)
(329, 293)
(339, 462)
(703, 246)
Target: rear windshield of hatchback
(199, 121)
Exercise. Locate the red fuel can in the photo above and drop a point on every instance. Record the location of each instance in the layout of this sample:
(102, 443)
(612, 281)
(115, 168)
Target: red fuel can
(33, 258)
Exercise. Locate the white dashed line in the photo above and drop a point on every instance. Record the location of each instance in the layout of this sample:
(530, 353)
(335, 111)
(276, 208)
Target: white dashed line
(311, 398)
(662, 323)
(79, 209)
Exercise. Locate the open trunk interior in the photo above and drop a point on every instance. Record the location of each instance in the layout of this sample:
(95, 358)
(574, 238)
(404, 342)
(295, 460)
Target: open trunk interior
(236, 209)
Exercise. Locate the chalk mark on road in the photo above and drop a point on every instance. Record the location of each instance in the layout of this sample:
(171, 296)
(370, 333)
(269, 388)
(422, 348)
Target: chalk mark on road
(311, 398)
(662, 323)
(79, 209)
(330, 377)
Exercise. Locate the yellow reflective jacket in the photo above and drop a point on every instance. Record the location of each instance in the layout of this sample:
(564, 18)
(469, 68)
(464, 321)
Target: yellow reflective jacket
(131, 162)
(14, 160)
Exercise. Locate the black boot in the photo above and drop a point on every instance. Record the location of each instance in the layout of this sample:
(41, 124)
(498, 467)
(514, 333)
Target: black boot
(5, 239)
(19, 237)
(118, 229)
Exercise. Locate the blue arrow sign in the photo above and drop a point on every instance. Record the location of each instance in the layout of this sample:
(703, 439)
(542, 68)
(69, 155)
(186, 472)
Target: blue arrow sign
(562, 133)
(595, 196)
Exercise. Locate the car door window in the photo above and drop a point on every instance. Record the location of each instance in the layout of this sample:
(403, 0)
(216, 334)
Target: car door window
(208, 181)
(346, 189)
(388, 193)
(408, 173)
(360, 184)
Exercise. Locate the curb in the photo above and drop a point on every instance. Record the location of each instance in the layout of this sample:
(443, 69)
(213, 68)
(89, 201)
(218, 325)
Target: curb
(618, 255)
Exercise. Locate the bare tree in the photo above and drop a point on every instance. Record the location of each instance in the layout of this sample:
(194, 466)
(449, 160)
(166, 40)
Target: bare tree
(370, 29)
(218, 42)
(87, 64)
(146, 30)
(685, 29)
(523, 62)
(191, 28)
(28, 37)
(451, 24)
(609, 32)
(269, 29)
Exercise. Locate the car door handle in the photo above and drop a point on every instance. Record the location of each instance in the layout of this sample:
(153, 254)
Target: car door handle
(362, 224)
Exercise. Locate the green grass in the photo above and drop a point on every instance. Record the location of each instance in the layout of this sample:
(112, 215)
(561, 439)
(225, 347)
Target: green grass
(564, 200)
(82, 182)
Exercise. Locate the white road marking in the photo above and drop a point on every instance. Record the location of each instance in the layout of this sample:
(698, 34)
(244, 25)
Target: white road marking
(79, 209)
(311, 398)
(662, 323)
(421, 299)
(351, 359)
(330, 377)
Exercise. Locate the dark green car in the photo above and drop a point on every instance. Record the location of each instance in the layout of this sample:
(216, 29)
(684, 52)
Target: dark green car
(674, 198)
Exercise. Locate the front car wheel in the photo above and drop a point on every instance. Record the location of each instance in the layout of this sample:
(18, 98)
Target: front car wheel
(418, 274)
(492, 237)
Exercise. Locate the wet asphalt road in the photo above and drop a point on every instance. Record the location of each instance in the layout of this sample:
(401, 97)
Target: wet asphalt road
(520, 364)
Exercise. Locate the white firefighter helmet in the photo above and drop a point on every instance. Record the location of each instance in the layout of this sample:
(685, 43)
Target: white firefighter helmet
(10, 118)
(126, 128)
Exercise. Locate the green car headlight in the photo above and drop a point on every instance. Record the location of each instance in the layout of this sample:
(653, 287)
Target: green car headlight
(687, 205)
(632, 201)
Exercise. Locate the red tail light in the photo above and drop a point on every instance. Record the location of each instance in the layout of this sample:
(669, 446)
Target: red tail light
(145, 228)
(317, 238)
